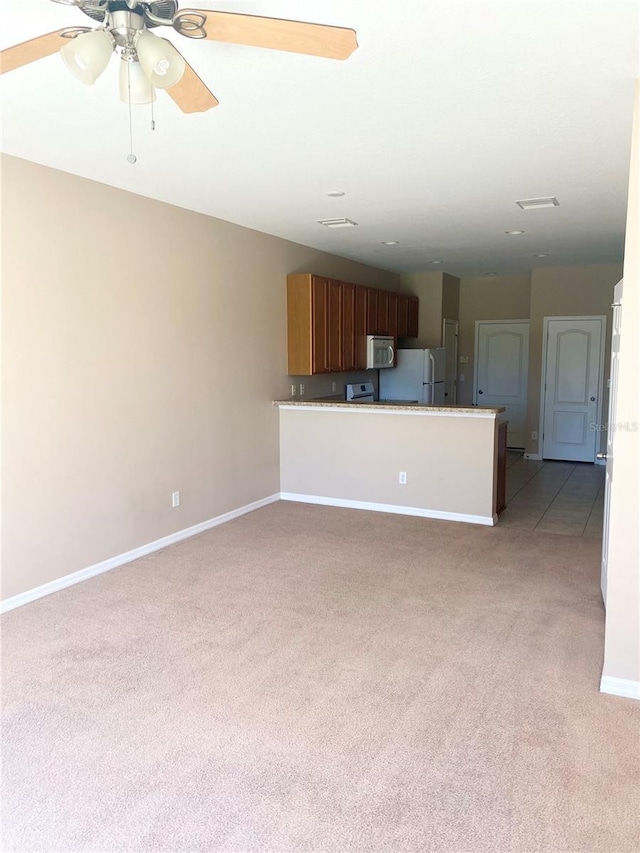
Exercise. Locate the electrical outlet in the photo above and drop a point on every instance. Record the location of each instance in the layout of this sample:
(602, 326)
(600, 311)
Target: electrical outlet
(464, 359)
(302, 389)
(294, 390)
(175, 499)
(402, 478)
(534, 436)
(461, 377)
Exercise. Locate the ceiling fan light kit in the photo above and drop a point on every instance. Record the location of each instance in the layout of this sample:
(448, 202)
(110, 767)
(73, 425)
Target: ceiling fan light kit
(135, 87)
(159, 59)
(87, 55)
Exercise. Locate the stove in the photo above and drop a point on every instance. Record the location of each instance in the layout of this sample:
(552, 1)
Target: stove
(360, 392)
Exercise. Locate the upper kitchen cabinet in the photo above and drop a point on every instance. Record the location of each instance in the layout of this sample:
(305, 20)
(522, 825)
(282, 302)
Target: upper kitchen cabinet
(328, 322)
(392, 324)
(354, 326)
(314, 324)
(372, 311)
(334, 326)
(407, 316)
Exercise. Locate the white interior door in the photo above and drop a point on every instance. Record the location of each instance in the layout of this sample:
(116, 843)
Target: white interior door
(572, 388)
(450, 343)
(611, 422)
(502, 363)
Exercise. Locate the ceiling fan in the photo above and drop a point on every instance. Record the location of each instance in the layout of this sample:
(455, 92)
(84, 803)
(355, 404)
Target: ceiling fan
(151, 62)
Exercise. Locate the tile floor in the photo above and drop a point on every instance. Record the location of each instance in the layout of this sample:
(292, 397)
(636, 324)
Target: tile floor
(554, 497)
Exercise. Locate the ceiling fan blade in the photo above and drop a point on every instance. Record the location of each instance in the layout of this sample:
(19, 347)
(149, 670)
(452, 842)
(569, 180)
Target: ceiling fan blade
(190, 93)
(29, 51)
(275, 33)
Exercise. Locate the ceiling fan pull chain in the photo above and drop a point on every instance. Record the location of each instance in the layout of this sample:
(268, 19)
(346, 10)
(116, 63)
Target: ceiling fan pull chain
(131, 158)
(153, 120)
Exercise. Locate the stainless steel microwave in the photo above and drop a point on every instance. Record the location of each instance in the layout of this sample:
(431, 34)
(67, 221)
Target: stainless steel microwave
(381, 351)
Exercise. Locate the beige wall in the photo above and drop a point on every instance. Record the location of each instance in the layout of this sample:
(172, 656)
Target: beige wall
(142, 347)
(439, 295)
(505, 297)
(450, 298)
(427, 286)
(622, 635)
(566, 291)
(449, 461)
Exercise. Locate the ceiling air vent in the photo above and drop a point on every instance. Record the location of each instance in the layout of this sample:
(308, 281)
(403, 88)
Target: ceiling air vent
(337, 223)
(536, 203)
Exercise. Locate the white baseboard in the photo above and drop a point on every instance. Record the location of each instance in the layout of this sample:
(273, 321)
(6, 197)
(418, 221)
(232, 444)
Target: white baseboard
(129, 556)
(535, 457)
(620, 687)
(392, 508)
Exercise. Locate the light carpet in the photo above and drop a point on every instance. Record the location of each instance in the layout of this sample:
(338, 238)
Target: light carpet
(315, 679)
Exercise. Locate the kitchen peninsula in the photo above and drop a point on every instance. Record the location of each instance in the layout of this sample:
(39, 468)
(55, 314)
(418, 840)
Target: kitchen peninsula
(355, 455)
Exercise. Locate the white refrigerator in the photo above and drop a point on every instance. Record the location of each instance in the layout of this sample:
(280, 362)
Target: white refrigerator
(419, 375)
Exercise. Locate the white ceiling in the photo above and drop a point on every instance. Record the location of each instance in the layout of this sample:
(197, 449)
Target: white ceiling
(446, 115)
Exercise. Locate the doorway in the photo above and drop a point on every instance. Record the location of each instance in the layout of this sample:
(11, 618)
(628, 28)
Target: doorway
(501, 372)
(573, 363)
(450, 343)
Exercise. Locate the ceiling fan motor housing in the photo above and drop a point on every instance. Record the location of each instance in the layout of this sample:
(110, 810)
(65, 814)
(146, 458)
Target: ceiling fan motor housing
(100, 11)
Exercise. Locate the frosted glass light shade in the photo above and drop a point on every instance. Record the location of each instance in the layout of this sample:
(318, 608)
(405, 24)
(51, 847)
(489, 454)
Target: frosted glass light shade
(87, 55)
(160, 61)
(135, 88)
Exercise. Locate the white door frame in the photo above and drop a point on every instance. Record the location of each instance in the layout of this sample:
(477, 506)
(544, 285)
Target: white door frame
(545, 347)
(446, 320)
(476, 349)
(611, 423)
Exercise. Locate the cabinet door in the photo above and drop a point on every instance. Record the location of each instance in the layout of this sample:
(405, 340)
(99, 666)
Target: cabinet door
(393, 315)
(383, 312)
(412, 317)
(372, 311)
(334, 325)
(319, 288)
(360, 327)
(403, 315)
(349, 354)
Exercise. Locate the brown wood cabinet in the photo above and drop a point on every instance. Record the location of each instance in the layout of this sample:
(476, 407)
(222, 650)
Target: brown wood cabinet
(334, 325)
(372, 311)
(314, 325)
(383, 313)
(393, 315)
(328, 322)
(412, 316)
(361, 327)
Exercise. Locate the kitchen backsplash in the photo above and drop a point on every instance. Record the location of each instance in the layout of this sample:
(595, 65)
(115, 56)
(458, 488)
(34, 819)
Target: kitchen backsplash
(326, 385)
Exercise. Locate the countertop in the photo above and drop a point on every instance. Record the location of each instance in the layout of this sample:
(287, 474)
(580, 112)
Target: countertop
(399, 406)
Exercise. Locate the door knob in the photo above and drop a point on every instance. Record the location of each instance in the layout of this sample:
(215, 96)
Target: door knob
(601, 456)
(480, 392)
(593, 399)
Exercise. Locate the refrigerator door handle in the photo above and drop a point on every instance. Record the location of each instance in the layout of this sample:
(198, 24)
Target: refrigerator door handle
(433, 366)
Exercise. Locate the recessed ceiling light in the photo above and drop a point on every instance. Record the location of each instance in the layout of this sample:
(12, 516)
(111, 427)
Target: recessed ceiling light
(514, 231)
(389, 242)
(337, 223)
(335, 193)
(436, 262)
(537, 203)
(541, 255)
